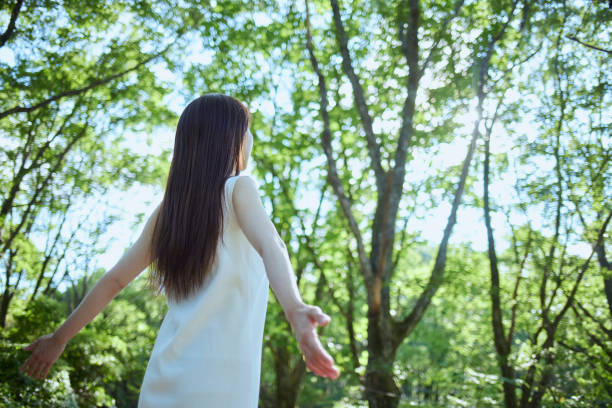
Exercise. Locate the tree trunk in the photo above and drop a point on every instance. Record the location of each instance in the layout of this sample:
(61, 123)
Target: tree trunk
(502, 344)
(6, 299)
(381, 390)
(8, 294)
(607, 273)
(288, 377)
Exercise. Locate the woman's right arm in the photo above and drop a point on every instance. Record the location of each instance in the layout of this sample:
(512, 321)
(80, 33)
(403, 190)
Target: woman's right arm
(262, 234)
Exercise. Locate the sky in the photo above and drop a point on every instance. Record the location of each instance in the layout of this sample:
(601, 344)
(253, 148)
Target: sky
(469, 229)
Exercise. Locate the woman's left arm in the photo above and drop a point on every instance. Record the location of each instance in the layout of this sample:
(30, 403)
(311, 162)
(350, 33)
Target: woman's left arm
(48, 348)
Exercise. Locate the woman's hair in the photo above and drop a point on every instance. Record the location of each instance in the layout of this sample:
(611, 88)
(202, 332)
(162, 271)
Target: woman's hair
(207, 147)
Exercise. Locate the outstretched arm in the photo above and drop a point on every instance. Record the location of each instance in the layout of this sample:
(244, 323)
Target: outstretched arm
(131, 264)
(303, 318)
(48, 348)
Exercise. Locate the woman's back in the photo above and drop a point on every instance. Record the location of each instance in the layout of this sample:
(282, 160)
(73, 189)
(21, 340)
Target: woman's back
(208, 350)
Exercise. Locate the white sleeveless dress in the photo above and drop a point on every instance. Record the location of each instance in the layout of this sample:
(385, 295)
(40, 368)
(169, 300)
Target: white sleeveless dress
(208, 349)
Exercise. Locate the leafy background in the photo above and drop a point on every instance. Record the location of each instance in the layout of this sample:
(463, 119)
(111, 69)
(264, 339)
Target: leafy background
(90, 93)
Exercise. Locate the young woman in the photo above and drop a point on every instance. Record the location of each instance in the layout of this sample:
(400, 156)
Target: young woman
(213, 251)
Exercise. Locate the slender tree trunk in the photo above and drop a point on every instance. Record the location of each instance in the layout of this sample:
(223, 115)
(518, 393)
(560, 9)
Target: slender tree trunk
(502, 345)
(606, 273)
(288, 377)
(6, 299)
(381, 390)
(7, 295)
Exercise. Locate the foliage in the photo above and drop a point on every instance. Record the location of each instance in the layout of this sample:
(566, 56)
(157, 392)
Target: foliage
(80, 81)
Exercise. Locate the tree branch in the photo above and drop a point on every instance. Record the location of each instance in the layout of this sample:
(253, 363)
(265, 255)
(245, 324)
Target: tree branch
(11, 25)
(571, 37)
(332, 173)
(78, 91)
(358, 93)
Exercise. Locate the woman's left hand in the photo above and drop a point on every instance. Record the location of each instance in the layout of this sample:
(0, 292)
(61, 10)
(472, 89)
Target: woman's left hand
(47, 350)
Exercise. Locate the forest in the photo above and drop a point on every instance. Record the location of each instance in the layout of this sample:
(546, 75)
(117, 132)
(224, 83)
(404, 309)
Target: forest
(440, 172)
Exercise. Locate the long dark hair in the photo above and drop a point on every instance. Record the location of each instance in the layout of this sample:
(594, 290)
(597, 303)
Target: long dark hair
(207, 150)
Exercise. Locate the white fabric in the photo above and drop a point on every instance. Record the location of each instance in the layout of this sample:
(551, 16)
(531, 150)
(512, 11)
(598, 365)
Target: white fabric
(208, 349)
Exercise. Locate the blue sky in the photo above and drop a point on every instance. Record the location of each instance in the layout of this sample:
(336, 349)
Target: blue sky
(469, 228)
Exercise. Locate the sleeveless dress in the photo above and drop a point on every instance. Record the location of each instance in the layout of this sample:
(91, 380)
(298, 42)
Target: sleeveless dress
(208, 349)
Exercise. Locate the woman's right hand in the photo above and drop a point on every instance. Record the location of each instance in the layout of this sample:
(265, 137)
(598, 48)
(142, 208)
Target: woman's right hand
(304, 320)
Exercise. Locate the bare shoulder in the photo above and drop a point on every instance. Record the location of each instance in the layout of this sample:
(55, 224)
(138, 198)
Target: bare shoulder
(245, 197)
(251, 214)
(245, 181)
(246, 190)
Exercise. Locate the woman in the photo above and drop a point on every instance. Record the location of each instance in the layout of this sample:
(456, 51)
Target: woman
(212, 250)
